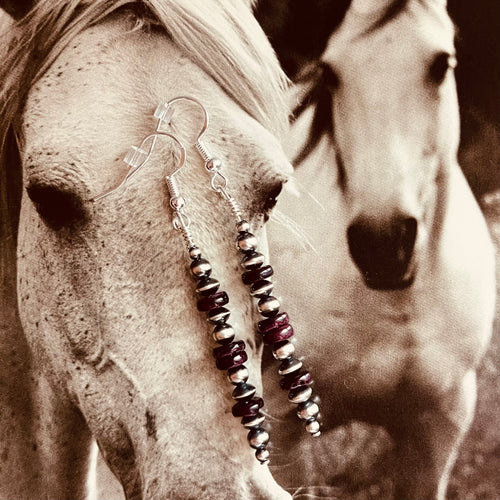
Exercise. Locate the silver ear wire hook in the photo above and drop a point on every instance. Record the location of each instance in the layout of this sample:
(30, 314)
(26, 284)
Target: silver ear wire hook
(137, 157)
(213, 164)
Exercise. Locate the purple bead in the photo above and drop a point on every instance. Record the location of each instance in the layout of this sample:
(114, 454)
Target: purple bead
(271, 323)
(254, 275)
(248, 408)
(278, 334)
(229, 349)
(228, 362)
(293, 381)
(212, 301)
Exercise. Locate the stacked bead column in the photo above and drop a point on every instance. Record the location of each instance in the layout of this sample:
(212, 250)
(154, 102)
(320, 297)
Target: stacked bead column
(276, 329)
(231, 354)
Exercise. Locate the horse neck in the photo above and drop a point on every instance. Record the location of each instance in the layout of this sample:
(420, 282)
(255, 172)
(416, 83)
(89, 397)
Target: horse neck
(41, 437)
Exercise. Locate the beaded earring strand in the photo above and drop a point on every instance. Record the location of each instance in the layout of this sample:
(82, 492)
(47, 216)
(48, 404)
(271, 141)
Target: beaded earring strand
(230, 356)
(275, 326)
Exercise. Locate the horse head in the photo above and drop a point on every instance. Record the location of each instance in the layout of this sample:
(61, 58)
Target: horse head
(106, 301)
(395, 128)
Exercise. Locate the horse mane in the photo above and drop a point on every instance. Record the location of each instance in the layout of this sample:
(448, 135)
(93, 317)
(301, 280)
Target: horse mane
(220, 36)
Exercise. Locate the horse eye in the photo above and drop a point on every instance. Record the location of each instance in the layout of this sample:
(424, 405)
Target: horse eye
(329, 77)
(440, 66)
(57, 207)
(272, 199)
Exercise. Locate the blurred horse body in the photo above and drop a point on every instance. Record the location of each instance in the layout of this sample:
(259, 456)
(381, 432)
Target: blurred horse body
(394, 306)
(100, 336)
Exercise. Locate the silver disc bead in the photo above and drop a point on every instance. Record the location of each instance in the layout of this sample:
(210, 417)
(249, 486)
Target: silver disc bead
(258, 438)
(223, 332)
(251, 422)
(289, 365)
(246, 242)
(261, 288)
(300, 394)
(314, 428)
(268, 305)
(262, 455)
(243, 391)
(238, 375)
(252, 261)
(283, 350)
(207, 286)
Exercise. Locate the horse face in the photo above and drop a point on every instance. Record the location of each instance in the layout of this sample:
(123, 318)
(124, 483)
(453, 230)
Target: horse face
(106, 299)
(396, 132)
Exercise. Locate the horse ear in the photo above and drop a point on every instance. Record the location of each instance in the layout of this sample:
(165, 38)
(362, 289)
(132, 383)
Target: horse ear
(17, 8)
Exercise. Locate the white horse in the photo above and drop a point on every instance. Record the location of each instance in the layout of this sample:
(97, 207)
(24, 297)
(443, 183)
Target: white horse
(394, 306)
(100, 336)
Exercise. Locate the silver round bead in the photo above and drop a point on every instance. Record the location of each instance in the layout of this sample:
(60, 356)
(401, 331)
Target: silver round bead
(247, 242)
(258, 438)
(194, 252)
(213, 164)
(243, 226)
(314, 428)
(238, 376)
(284, 351)
(308, 412)
(300, 396)
(262, 455)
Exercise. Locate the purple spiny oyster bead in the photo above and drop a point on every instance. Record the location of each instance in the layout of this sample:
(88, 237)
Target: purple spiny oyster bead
(295, 380)
(232, 361)
(277, 334)
(212, 301)
(230, 349)
(230, 355)
(250, 277)
(247, 408)
(271, 323)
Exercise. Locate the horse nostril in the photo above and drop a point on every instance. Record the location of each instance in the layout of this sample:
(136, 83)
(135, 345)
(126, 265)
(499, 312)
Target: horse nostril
(383, 251)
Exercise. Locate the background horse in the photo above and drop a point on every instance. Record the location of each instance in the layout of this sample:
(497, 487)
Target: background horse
(100, 337)
(401, 249)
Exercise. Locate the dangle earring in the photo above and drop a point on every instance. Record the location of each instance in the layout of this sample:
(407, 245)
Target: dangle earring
(275, 326)
(230, 355)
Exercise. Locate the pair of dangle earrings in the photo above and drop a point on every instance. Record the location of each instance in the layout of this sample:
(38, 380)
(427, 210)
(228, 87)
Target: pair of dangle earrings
(274, 327)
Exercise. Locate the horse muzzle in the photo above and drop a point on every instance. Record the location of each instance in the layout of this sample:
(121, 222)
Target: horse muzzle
(383, 250)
